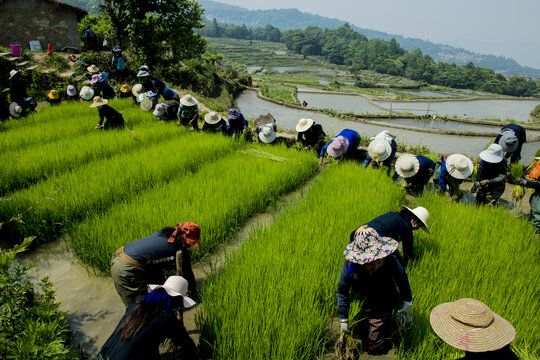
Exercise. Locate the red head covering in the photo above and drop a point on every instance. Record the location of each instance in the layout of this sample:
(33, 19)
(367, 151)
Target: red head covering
(192, 234)
(49, 49)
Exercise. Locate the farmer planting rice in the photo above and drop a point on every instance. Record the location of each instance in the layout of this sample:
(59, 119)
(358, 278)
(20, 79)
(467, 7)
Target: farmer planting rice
(398, 226)
(151, 320)
(490, 177)
(470, 325)
(534, 201)
(370, 271)
(188, 112)
(143, 261)
(167, 110)
(342, 146)
(381, 150)
(511, 138)
(452, 170)
(71, 93)
(237, 123)
(416, 170)
(112, 118)
(310, 135)
(53, 97)
(213, 123)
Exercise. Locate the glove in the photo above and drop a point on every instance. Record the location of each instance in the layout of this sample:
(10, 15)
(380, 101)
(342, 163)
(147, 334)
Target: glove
(406, 306)
(344, 325)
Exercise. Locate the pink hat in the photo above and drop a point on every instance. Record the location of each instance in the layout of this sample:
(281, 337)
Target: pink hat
(338, 146)
(96, 78)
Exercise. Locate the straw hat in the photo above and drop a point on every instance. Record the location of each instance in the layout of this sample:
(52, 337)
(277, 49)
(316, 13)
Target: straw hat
(508, 141)
(146, 104)
(422, 214)
(99, 101)
(267, 134)
(92, 69)
(175, 286)
(368, 247)
(143, 73)
(493, 154)
(71, 90)
(470, 325)
(15, 110)
(96, 78)
(304, 124)
(338, 146)
(379, 149)
(124, 88)
(188, 100)
(86, 93)
(459, 166)
(212, 118)
(12, 73)
(53, 95)
(137, 89)
(407, 165)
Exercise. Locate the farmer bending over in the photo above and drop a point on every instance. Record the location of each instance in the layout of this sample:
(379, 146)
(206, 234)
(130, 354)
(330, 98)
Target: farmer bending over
(416, 170)
(511, 138)
(342, 146)
(490, 176)
(381, 151)
(453, 169)
(112, 117)
(310, 135)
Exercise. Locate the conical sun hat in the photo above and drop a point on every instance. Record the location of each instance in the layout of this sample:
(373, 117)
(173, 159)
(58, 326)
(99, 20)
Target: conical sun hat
(493, 154)
(304, 124)
(422, 214)
(338, 146)
(146, 104)
(470, 325)
(379, 149)
(99, 101)
(86, 93)
(175, 286)
(459, 166)
(508, 141)
(368, 247)
(407, 165)
(160, 110)
(188, 100)
(137, 89)
(71, 90)
(53, 95)
(15, 110)
(212, 117)
(92, 69)
(267, 134)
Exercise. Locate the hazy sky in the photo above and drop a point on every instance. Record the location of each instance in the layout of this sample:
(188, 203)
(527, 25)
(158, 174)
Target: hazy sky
(509, 28)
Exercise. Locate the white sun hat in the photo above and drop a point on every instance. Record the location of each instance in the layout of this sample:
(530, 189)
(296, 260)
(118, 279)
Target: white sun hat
(212, 118)
(146, 104)
(160, 110)
(267, 134)
(407, 165)
(508, 141)
(422, 214)
(15, 110)
(142, 74)
(493, 154)
(137, 89)
(304, 124)
(12, 73)
(175, 286)
(188, 100)
(459, 166)
(86, 93)
(379, 149)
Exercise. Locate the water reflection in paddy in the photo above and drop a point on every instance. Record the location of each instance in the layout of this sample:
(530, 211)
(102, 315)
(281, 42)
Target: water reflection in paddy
(349, 103)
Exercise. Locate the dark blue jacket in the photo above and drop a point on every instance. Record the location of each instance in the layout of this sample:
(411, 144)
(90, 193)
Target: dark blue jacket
(488, 171)
(353, 138)
(521, 135)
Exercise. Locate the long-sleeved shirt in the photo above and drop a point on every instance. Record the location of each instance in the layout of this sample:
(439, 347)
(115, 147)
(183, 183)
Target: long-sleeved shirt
(490, 171)
(388, 161)
(447, 180)
(382, 289)
(145, 345)
(119, 62)
(353, 138)
(521, 135)
(237, 125)
(220, 126)
(314, 137)
(535, 204)
(168, 94)
(112, 116)
(427, 166)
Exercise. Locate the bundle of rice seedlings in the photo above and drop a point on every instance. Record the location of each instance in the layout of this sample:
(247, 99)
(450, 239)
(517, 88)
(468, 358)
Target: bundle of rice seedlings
(518, 192)
(346, 347)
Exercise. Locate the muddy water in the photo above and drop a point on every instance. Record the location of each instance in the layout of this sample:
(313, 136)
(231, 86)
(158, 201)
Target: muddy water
(451, 125)
(349, 103)
(287, 118)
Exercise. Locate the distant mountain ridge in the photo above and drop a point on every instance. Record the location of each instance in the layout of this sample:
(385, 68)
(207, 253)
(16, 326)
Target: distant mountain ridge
(290, 19)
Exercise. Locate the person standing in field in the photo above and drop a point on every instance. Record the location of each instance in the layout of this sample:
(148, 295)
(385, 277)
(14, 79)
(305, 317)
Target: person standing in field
(344, 145)
(399, 226)
(490, 177)
(372, 273)
(143, 261)
(511, 138)
(119, 63)
(470, 325)
(452, 171)
(188, 112)
(149, 321)
(108, 117)
(415, 170)
(310, 135)
(381, 150)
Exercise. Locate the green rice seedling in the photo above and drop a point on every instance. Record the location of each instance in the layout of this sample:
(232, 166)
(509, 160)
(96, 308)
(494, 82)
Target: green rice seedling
(94, 187)
(516, 170)
(219, 197)
(274, 296)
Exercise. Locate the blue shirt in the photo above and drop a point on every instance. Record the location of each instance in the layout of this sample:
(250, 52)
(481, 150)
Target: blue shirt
(351, 135)
(237, 124)
(446, 180)
(119, 62)
(168, 94)
(488, 171)
(152, 247)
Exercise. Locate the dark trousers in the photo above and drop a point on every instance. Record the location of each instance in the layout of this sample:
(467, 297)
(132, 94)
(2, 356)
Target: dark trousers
(490, 193)
(373, 330)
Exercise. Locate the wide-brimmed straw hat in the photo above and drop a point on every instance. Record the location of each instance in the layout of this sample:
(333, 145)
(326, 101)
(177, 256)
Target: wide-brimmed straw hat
(459, 166)
(15, 110)
(421, 214)
(92, 69)
(125, 88)
(304, 124)
(175, 286)
(86, 93)
(160, 110)
(212, 117)
(12, 73)
(508, 141)
(96, 78)
(146, 104)
(470, 325)
(407, 165)
(338, 146)
(53, 94)
(137, 89)
(267, 134)
(379, 149)
(99, 101)
(143, 73)
(71, 90)
(493, 154)
(188, 100)
(368, 247)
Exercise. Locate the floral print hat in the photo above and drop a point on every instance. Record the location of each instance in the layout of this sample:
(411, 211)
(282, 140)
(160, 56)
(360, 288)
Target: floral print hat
(369, 246)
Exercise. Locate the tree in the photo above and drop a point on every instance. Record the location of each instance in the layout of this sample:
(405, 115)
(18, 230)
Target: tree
(116, 11)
